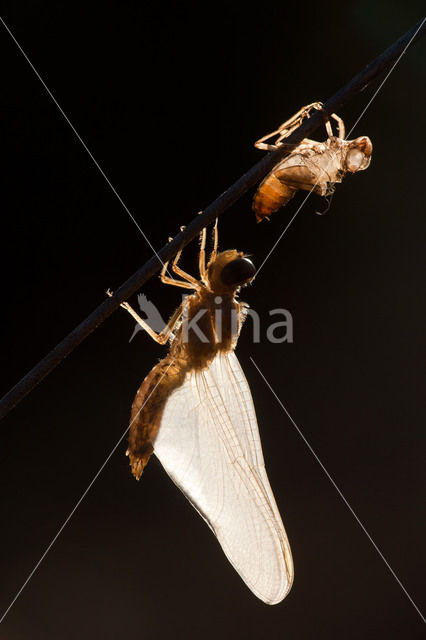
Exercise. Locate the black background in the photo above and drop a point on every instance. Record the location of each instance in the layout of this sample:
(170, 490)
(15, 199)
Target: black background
(169, 99)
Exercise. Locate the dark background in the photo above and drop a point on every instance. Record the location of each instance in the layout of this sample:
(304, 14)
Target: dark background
(169, 100)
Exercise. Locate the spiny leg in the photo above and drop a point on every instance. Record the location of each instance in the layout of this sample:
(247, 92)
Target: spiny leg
(261, 144)
(278, 144)
(329, 129)
(340, 126)
(295, 121)
(189, 283)
(176, 283)
(190, 279)
(215, 242)
(287, 127)
(202, 255)
(164, 334)
(194, 283)
(213, 254)
(282, 134)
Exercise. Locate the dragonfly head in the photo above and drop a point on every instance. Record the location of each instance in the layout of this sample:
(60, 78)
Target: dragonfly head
(230, 270)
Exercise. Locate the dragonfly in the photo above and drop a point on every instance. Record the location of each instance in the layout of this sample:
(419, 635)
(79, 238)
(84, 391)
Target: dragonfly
(311, 165)
(195, 413)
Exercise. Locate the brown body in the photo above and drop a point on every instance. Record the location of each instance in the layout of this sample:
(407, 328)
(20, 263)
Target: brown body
(195, 412)
(271, 195)
(213, 303)
(311, 166)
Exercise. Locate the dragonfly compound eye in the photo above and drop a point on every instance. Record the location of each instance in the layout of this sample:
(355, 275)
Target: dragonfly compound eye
(237, 272)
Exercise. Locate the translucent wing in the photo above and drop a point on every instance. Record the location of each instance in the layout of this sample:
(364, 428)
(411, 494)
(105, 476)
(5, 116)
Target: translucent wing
(209, 444)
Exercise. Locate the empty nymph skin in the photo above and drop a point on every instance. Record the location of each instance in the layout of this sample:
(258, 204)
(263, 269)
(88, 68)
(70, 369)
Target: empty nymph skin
(310, 166)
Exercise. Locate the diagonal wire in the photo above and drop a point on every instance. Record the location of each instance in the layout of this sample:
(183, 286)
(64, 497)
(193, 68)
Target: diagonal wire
(353, 127)
(274, 246)
(218, 207)
(243, 185)
(80, 500)
(80, 139)
(339, 492)
(386, 77)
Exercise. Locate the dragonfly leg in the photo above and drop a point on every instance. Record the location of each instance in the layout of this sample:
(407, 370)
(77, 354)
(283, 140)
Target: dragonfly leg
(189, 281)
(286, 128)
(202, 256)
(340, 125)
(177, 283)
(215, 243)
(164, 334)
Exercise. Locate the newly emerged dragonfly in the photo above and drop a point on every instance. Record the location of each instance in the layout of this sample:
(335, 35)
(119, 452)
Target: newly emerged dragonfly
(194, 411)
(311, 166)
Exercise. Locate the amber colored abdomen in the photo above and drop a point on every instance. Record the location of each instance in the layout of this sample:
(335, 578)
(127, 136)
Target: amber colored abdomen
(270, 196)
